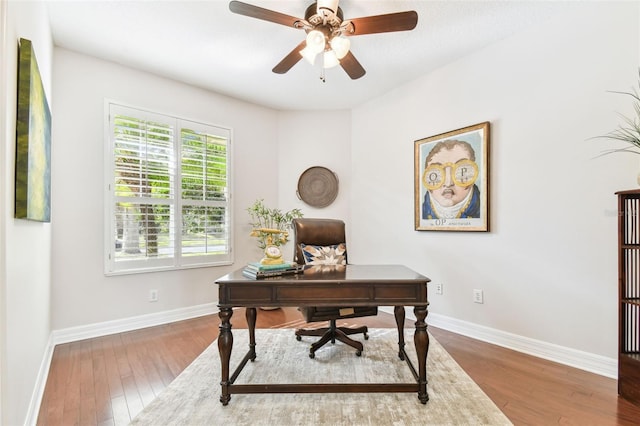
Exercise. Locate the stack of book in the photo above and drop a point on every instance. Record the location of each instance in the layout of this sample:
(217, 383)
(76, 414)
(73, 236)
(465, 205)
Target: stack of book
(256, 270)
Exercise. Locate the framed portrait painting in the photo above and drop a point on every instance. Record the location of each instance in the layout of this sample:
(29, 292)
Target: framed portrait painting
(451, 180)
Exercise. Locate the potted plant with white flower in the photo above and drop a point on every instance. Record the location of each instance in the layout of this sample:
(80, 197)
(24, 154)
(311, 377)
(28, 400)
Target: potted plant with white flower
(271, 228)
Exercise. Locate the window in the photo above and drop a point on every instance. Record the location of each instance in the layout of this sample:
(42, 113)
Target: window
(167, 192)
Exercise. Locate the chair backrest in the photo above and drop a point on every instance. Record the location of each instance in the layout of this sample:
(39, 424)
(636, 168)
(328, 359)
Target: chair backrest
(317, 232)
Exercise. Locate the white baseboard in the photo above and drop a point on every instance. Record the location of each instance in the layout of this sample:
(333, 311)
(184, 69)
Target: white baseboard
(89, 331)
(38, 389)
(593, 363)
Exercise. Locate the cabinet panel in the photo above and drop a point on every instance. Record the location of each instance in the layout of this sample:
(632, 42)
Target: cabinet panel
(629, 295)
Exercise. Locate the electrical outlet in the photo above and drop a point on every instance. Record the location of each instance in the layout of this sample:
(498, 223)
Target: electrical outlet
(153, 295)
(478, 296)
(439, 288)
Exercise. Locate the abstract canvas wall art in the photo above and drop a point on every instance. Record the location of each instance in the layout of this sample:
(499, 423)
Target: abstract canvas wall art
(33, 140)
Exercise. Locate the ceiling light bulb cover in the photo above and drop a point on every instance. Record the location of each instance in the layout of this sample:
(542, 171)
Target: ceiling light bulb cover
(315, 41)
(341, 46)
(309, 55)
(330, 59)
(327, 7)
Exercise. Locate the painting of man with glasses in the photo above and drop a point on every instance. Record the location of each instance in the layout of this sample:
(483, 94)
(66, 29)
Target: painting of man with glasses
(451, 180)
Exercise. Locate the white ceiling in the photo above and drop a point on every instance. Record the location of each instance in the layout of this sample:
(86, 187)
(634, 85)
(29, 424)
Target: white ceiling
(202, 43)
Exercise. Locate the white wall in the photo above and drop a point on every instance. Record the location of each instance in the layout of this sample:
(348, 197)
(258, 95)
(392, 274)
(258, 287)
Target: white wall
(548, 266)
(82, 294)
(26, 245)
(263, 141)
(3, 180)
(314, 138)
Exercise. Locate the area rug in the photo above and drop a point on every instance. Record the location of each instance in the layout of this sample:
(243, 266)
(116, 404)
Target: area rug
(193, 397)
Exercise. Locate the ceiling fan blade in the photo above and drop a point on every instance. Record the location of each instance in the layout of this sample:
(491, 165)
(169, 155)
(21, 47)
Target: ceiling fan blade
(260, 13)
(401, 21)
(290, 60)
(352, 67)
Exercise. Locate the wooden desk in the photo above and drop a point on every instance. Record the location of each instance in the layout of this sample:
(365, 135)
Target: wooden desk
(352, 285)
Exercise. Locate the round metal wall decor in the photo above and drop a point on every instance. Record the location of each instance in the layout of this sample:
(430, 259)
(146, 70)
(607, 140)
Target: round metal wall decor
(318, 186)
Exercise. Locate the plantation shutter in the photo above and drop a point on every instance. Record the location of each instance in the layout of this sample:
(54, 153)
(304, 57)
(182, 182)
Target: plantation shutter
(204, 191)
(168, 193)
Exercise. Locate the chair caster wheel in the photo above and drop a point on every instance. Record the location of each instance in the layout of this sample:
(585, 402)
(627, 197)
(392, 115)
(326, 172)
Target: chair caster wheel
(359, 353)
(366, 336)
(298, 338)
(312, 355)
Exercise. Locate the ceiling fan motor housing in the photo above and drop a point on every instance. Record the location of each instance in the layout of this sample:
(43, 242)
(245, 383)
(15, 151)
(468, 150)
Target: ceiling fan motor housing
(327, 7)
(330, 22)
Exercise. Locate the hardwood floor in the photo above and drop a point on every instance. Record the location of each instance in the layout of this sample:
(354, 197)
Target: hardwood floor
(108, 380)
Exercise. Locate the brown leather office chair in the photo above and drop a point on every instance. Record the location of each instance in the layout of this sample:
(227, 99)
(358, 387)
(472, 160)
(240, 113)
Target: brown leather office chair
(309, 235)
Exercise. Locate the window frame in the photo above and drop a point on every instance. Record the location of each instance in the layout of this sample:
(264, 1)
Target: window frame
(177, 261)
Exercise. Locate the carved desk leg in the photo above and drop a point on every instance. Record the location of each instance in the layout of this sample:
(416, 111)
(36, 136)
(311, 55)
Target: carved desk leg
(225, 344)
(421, 340)
(400, 315)
(251, 322)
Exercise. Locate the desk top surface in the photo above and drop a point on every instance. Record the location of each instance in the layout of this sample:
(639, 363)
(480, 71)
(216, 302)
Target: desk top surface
(349, 273)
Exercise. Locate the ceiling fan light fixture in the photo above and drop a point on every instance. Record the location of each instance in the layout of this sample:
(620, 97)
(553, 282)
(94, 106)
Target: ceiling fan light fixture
(315, 41)
(309, 55)
(340, 46)
(329, 59)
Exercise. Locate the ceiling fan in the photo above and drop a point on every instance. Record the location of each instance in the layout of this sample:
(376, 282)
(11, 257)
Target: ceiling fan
(327, 33)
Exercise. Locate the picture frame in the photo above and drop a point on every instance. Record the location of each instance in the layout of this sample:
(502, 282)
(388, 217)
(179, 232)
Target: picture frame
(33, 140)
(451, 180)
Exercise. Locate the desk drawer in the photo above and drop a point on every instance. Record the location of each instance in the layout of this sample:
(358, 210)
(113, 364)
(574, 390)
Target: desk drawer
(248, 294)
(402, 293)
(328, 294)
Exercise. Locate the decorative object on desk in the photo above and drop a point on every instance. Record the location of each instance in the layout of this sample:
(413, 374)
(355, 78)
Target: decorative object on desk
(33, 140)
(258, 270)
(451, 180)
(192, 398)
(318, 186)
(270, 227)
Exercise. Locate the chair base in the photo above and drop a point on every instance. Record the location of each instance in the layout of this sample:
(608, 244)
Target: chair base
(331, 334)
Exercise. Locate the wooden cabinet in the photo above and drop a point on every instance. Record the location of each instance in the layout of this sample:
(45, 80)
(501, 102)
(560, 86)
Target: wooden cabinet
(629, 295)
